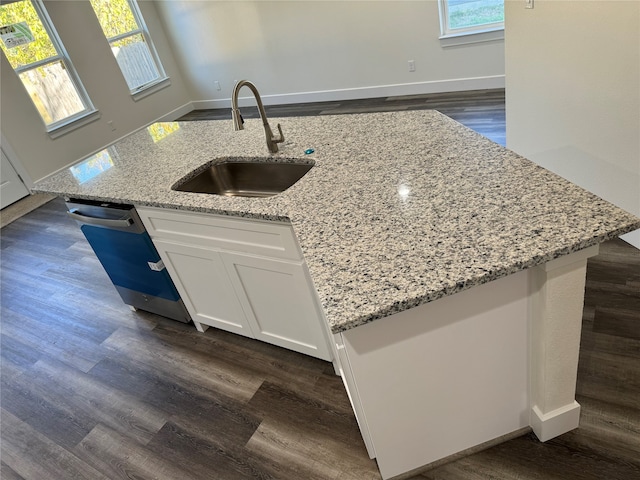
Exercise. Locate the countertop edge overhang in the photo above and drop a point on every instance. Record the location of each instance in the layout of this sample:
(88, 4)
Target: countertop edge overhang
(400, 209)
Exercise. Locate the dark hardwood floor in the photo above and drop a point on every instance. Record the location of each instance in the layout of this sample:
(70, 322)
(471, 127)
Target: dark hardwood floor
(480, 110)
(91, 390)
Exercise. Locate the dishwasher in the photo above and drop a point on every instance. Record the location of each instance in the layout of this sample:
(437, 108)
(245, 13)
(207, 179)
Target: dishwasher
(125, 250)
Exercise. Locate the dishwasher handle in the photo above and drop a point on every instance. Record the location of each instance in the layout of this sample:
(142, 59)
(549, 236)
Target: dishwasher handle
(102, 222)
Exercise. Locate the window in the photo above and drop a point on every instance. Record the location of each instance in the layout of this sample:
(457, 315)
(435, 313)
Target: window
(464, 17)
(130, 42)
(35, 52)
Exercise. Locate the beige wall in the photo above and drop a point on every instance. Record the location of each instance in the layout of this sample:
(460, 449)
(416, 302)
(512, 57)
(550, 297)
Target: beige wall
(573, 93)
(297, 51)
(82, 36)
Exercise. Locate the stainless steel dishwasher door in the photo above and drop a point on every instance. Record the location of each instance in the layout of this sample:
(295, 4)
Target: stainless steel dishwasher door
(125, 250)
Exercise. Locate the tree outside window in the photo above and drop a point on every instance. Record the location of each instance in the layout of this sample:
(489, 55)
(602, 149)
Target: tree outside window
(124, 28)
(32, 47)
(470, 16)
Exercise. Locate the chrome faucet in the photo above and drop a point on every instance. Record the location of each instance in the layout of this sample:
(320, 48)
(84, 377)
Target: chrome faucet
(272, 142)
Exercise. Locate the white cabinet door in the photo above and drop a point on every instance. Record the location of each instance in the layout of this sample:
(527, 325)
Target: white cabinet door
(277, 298)
(202, 280)
(11, 187)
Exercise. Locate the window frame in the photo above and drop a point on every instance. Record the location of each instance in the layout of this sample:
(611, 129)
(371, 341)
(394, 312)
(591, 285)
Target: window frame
(89, 113)
(473, 34)
(162, 80)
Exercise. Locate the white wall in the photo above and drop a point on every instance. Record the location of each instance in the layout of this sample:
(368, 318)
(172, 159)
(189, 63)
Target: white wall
(298, 51)
(82, 36)
(573, 93)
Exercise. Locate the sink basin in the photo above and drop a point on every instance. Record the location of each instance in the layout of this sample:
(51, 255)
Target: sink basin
(245, 178)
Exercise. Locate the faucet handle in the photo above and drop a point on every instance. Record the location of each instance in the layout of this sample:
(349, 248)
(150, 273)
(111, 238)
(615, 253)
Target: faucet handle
(280, 138)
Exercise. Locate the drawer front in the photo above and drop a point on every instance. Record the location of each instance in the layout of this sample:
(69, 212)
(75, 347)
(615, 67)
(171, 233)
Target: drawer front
(215, 231)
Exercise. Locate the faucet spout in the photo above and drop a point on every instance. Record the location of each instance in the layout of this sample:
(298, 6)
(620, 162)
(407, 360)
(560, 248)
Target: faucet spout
(238, 121)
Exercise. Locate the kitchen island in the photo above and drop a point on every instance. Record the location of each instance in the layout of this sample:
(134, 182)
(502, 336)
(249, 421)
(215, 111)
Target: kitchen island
(449, 269)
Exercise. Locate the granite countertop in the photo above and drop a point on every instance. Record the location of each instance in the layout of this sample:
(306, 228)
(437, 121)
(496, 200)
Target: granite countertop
(401, 208)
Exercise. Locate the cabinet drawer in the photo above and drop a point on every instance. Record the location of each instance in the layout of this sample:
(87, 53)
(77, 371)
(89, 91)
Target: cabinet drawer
(216, 231)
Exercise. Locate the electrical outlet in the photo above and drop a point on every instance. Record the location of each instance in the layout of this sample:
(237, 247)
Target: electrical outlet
(412, 66)
(217, 84)
(528, 3)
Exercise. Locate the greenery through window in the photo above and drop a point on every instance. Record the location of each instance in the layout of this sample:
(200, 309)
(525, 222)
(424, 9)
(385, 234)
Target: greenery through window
(33, 49)
(470, 16)
(130, 43)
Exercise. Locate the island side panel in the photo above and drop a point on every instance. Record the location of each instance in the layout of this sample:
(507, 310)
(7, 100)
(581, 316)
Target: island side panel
(445, 376)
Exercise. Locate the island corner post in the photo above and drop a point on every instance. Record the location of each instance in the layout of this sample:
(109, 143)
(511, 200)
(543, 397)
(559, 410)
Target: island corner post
(557, 301)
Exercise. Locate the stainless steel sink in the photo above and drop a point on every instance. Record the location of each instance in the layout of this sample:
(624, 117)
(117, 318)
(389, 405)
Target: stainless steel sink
(244, 178)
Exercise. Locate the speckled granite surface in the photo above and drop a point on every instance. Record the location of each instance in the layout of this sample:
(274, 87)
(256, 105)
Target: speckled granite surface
(401, 208)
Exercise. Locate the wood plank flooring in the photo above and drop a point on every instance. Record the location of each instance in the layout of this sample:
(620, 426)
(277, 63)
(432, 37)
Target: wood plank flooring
(91, 390)
(480, 110)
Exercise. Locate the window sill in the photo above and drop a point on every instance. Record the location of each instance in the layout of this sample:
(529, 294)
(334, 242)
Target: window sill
(73, 124)
(465, 38)
(151, 88)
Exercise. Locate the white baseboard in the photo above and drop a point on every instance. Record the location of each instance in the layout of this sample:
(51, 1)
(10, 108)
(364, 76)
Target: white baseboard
(176, 113)
(438, 86)
(549, 425)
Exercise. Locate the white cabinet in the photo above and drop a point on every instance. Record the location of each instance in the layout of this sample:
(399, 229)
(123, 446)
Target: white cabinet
(241, 275)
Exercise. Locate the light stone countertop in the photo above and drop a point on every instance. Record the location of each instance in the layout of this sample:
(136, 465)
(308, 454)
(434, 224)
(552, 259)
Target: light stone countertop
(400, 209)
